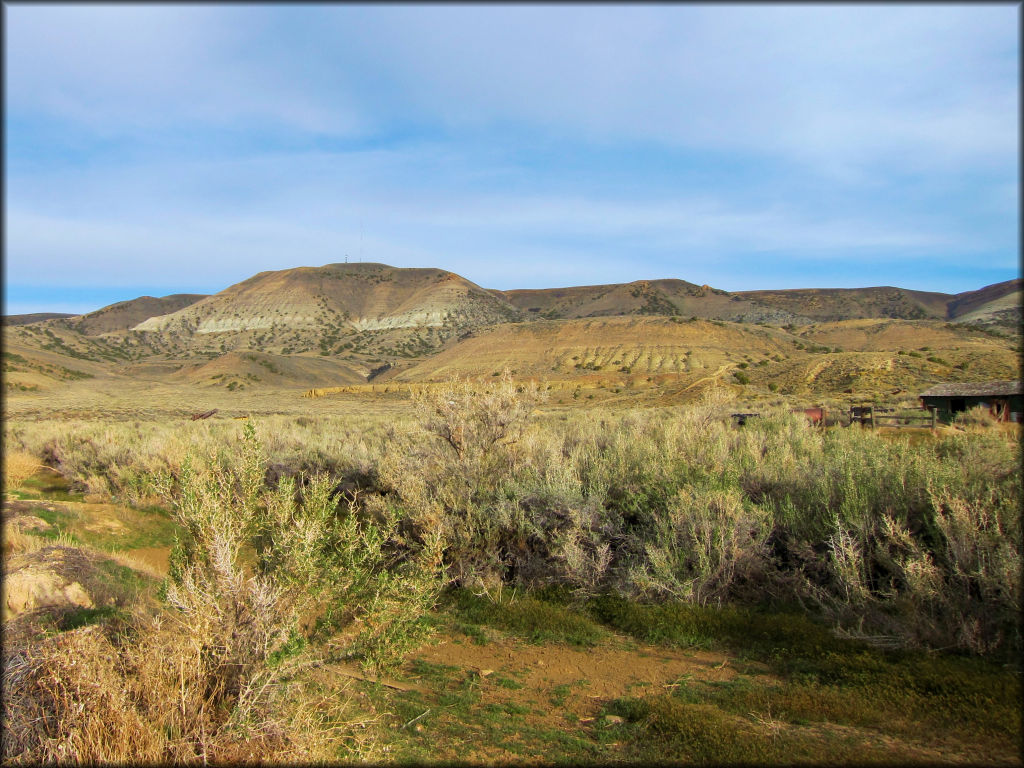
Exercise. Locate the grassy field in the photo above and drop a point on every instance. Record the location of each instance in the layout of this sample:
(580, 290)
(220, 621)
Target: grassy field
(476, 572)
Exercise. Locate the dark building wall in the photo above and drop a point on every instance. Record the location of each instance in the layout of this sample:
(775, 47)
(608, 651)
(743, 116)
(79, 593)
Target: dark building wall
(949, 405)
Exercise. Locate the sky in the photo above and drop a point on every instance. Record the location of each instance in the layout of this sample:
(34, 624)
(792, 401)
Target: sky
(155, 149)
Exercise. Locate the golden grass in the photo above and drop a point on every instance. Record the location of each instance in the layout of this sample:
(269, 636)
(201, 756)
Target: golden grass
(80, 697)
(16, 542)
(137, 563)
(19, 466)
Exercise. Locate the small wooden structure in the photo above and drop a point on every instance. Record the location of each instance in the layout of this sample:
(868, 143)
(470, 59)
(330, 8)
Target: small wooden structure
(870, 416)
(206, 415)
(1004, 399)
(861, 414)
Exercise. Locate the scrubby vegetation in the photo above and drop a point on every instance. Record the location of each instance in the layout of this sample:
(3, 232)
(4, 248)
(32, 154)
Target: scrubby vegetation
(917, 541)
(304, 538)
(255, 575)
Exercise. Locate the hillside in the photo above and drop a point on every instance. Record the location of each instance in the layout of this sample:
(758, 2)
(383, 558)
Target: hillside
(831, 304)
(606, 346)
(343, 325)
(645, 297)
(127, 314)
(33, 317)
(356, 297)
(994, 304)
(236, 370)
(998, 304)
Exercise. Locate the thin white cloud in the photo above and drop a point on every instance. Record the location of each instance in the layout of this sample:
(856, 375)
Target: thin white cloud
(920, 103)
(444, 232)
(807, 82)
(120, 70)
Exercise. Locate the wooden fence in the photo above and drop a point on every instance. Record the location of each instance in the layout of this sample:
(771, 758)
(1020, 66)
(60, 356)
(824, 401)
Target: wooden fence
(869, 415)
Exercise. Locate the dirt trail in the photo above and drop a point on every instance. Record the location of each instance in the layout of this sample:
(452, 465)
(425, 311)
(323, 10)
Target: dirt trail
(584, 675)
(566, 689)
(722, 369)
(815, 371)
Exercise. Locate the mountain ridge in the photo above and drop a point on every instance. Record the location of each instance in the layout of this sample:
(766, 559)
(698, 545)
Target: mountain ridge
(341, 324)
(667, 296)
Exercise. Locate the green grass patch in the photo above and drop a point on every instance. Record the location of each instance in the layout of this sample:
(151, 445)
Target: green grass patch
(668, 729)
(559, 694)
(50, 486)
(771, 636)
(474, 632)
(528, 616)
(137, 529)
(83, 617)
(448, 723)
(506, 682)
(830, 679)
(60, 519)
(128, 579)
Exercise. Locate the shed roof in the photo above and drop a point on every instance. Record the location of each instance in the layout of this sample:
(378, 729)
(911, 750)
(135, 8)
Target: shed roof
(977, 389)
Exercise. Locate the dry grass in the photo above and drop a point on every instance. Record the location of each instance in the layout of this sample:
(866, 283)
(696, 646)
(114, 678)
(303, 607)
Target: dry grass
(84, 696)
(139, 564)
(68, 702)
(220, 672)
(19, 466)
(17, 542)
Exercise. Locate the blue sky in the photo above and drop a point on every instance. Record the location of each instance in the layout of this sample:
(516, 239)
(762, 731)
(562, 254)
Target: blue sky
(155, 149)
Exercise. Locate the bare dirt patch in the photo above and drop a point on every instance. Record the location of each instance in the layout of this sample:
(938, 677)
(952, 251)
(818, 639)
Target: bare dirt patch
(50, 578)
(578, 679)
(99, 518)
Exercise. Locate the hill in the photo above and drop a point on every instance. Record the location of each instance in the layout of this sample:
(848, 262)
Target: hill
(127, 314)
(356, 297)
(998, 304)
(645, 297)
(236, 370)
(33, 317)
(343, 325)
(605, 346)
(831, 304)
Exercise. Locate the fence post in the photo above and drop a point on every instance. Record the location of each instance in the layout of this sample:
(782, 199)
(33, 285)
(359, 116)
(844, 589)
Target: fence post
(871, 415)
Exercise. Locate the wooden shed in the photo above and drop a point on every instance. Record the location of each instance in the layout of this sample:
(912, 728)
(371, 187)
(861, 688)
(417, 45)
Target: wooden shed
(1005, 399)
